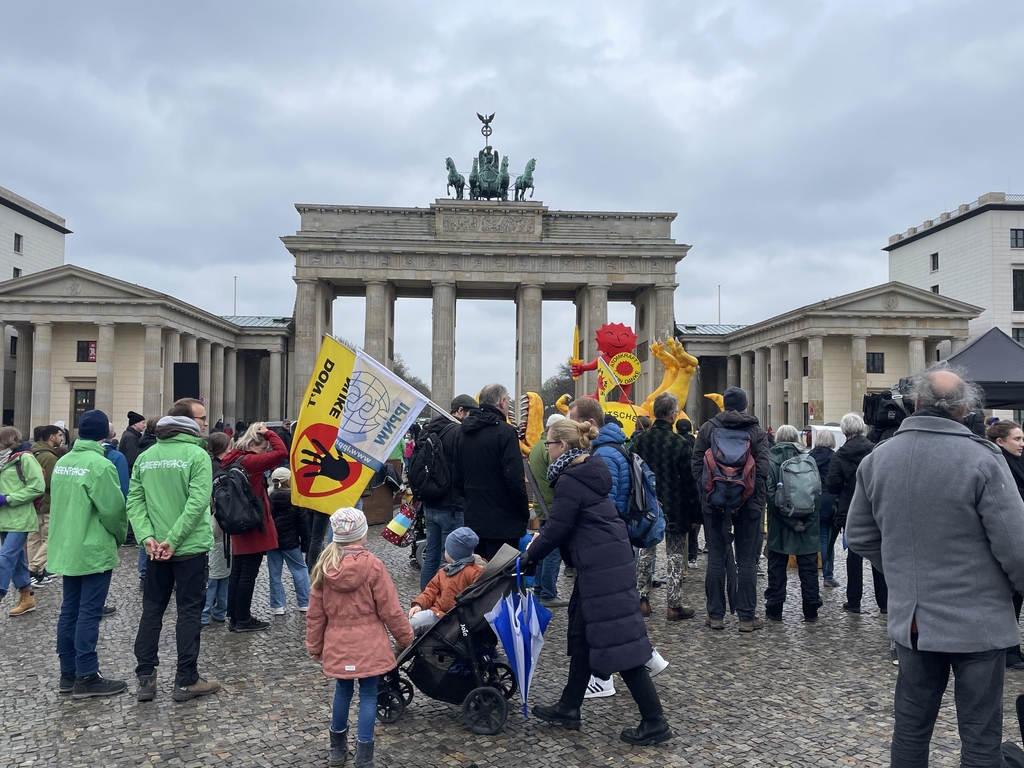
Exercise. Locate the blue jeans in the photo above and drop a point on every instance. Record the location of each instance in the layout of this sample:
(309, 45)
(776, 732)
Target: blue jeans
(367, 706)
(300, 576)
(143, 559)
(13, 562)
(439, 523)
(546, 579)
(216, 600)
(828, 553)
(78, 627)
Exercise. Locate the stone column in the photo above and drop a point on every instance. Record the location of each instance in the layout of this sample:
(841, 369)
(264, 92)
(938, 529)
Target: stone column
(274, 388)
(23, 383)
(215, 407)
(796, 385)
(694, 405)
(917, 361)
(241, 413)
(3, 363)
(231, 387)
(859, 372)
(376, 339)
(172, 355)
(307, 345)
(596, 316)
(760, 398)
(442, 348)
(529, 303)
(955, 345)
(776, 388)
(151, 372)
(105, 369)
(816, 380)
(732, 371)
(42, 339)
(203, 353)
(747, 378)
(190, 351)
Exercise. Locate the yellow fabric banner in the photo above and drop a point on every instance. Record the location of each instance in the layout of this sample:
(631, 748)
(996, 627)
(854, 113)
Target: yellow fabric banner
(322, 479)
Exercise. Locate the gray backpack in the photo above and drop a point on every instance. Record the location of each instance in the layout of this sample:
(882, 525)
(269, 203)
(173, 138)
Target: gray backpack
(799, 488)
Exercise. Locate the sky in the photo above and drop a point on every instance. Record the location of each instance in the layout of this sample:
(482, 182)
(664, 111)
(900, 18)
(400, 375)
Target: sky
(792, 137)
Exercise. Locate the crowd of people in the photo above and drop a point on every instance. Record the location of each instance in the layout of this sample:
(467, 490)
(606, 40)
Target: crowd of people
(936, 510)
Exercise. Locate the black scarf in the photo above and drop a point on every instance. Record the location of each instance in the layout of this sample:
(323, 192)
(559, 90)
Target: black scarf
(1016, 469)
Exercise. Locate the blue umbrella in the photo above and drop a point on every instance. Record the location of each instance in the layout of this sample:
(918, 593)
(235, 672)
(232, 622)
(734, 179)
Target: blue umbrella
(520, 621)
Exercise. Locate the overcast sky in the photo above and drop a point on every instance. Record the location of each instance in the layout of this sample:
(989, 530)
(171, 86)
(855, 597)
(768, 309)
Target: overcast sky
(792, 137)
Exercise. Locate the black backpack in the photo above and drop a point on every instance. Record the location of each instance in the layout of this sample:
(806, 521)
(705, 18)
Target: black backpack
(430, 475)
(235, 504)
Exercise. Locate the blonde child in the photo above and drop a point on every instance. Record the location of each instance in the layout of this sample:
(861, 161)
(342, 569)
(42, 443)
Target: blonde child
(352, 605)
(462, 569)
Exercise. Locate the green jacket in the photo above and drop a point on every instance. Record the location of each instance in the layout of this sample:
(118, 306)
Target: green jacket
(782, 536)
(87, 518)
(18, 515)
(47, 459)
(539, 461)
(169, 495)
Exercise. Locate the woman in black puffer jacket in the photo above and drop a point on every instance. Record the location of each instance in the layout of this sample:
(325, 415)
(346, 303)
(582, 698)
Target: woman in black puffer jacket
(292, 540)
(606, 631)
(1009, 436)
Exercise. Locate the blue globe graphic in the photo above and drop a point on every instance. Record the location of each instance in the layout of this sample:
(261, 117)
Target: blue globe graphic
(368, 406)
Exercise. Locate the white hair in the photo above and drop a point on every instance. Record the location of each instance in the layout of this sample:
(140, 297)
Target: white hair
(552, 419)
(825, 439)
(852, 425)
(787, 433)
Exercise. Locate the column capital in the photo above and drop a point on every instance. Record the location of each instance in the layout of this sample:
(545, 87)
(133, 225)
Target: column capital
(41, 323)
(306, 280)
(434, 283)
(106, 322)
(668, 287)
(374, 281)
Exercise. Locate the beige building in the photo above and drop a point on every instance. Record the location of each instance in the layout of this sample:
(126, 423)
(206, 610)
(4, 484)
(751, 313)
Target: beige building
(816, 363)
(87, 341)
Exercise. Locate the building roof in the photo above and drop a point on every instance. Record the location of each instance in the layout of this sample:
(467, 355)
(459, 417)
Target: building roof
(35, 212)
(987, 202)
(705, 329)
(259, 321)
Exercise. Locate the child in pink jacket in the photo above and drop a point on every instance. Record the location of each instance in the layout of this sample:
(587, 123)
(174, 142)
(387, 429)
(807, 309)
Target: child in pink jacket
(352, 605)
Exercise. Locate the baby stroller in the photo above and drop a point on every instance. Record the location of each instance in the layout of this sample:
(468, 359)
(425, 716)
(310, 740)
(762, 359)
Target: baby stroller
(456, 660)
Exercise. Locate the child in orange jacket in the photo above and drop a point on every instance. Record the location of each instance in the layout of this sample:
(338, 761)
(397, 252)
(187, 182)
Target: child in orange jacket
(352, 605)
(462, 569)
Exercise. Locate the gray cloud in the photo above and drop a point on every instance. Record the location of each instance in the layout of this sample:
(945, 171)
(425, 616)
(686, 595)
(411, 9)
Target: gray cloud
(792, 137)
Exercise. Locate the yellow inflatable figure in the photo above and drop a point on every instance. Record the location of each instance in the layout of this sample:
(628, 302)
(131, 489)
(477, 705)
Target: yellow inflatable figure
(679, 370)
(531, 421)
(717, 399)
(562, 404)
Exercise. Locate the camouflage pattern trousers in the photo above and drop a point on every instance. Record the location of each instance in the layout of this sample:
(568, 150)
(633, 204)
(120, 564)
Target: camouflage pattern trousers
(676, 544)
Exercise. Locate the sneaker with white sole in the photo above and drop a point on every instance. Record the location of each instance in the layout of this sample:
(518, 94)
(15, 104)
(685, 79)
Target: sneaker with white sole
(657, 664)
(278, 611)
(303, 608)
(599, 689)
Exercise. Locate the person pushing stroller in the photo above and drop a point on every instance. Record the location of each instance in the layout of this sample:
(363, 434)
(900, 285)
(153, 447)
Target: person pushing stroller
(462, 569)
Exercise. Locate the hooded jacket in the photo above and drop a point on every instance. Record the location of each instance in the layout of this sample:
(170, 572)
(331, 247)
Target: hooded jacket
(782, 534)
(759, 447)
(449, 434)
(47, 458)
(291, 523)
(489, 473)
(169, 495)
(87, 515)
(350, 614)
(936, 510)
(439, 595)
(842, 474)
(827, 507)
(255, 464)
(585, 525)
(21, 481)
(606, 445)
(129, 446)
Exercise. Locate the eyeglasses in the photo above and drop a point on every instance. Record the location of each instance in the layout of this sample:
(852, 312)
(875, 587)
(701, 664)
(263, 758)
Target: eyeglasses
(198, 418)
(559, 442)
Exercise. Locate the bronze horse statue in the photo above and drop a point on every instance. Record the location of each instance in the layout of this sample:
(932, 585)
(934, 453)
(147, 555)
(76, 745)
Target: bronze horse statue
(503, 180)
(455, 179)
(526, 180)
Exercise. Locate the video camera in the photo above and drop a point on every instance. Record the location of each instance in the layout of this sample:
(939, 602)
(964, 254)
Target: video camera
(887, 410)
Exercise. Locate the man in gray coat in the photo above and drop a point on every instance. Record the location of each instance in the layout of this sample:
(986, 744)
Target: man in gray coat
(936, 510)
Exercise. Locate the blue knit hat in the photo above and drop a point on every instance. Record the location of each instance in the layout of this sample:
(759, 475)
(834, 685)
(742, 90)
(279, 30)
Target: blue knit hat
(94, 425)
(460, 543)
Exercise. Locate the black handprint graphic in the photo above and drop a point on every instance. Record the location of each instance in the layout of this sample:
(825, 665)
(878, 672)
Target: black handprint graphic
(323, 463)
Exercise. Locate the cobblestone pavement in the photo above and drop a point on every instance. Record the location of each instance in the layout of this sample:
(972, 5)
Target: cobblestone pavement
(793, 694)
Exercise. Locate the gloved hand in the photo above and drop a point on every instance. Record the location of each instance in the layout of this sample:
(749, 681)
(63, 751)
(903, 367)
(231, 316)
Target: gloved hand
(526, 565)
(3, 500)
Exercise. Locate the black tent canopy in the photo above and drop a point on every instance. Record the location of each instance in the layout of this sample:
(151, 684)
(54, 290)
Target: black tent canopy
(996, 363)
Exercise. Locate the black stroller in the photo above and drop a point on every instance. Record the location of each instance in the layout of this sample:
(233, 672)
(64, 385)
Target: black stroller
(456, 660)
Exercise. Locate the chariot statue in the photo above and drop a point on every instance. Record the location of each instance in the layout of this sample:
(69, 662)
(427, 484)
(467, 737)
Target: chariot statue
(489, 179)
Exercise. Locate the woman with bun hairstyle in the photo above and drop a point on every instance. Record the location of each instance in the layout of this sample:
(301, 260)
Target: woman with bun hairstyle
(1009, 436)
(606, 631)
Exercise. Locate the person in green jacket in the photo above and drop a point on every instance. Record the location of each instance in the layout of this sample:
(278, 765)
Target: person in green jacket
(87, 525)
(21, 483)
(546, 579)
(798, 536)
(49, 439)
(169, 506)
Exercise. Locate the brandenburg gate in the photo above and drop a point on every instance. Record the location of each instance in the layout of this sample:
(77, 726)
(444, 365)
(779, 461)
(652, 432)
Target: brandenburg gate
(480, 249)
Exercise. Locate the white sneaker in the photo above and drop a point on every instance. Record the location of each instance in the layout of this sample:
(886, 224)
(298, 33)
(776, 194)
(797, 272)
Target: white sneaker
(278, 611)
(599, 689)
(303, 608)
(657, 664)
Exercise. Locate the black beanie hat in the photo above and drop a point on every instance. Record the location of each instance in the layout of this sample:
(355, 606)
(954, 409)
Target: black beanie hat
(135, 418)
(734, 399)
(93, 425)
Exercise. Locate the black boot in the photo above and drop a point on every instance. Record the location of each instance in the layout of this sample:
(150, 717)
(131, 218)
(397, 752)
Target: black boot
(364, 754)
(339, 748)
(559, 714)
(96, 685)
(648, 732)
(147, 687)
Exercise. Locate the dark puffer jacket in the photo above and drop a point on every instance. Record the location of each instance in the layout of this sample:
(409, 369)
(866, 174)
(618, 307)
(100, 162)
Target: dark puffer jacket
(759, 446)
(449, 432)
(291, 523)
(823, 458)
(842, 474)
(585, 525)
(488, 473)
(668, 455)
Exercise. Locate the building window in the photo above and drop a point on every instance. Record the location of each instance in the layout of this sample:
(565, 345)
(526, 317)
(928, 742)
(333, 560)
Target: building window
(935, 262)
(1017, 238)
(14, 346)
(86, 352)
(785, 366)
(19, 242)
(935, 289)
(85, 400)
(1018, 416)
(876, 362)
(806, 367)
(1018, 336)
(769, 371)
(17, 271)
(1018, 290)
